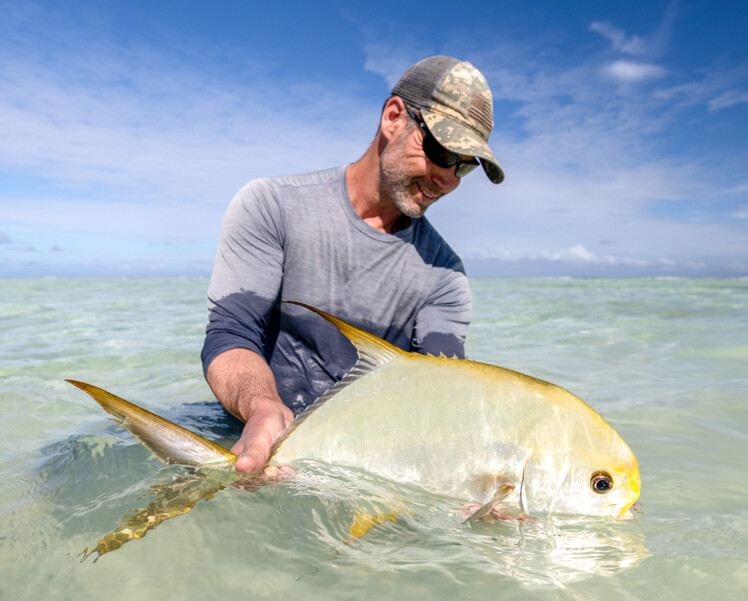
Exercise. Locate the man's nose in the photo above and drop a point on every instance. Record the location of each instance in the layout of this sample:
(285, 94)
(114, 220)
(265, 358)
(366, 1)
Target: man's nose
(444, 178)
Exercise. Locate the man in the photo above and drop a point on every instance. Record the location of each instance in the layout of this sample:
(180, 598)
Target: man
(351, 241)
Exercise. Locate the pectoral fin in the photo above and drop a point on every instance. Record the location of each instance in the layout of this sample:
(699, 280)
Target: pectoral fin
(502, 493)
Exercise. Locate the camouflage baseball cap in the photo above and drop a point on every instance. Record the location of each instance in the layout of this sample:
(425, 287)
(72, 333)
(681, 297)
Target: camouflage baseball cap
(457, 107)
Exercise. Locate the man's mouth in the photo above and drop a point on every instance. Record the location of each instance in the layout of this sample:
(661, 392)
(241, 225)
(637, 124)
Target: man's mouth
(429, 195)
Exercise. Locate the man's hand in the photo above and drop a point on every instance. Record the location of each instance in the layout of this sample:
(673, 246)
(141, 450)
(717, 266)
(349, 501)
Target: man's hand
(260, 432)
(244, 384)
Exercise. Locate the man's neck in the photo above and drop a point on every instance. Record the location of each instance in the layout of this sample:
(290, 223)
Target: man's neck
(368, 200)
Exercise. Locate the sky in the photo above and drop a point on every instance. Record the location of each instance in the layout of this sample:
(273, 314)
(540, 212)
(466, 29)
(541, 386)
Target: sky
(127, 127)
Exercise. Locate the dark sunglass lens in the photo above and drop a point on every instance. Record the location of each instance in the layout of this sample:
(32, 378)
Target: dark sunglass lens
(437, 154)
(441, 157)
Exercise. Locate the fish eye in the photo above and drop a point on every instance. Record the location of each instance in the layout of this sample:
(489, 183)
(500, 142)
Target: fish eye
(601, 482)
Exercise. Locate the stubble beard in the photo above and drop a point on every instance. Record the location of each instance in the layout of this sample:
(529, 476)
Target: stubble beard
(397, 180)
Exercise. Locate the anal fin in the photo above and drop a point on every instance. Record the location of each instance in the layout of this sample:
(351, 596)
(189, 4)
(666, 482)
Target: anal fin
(170, 500)
(363, 521)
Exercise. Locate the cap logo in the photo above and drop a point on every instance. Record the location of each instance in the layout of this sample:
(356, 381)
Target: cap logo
(480, 110)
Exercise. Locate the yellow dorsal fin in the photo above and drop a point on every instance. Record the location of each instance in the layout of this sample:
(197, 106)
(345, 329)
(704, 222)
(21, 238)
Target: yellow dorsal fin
(373, 352)
(370, 348)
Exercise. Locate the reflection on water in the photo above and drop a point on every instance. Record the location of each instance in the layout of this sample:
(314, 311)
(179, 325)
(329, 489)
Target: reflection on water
(430, 533)
(88, 483)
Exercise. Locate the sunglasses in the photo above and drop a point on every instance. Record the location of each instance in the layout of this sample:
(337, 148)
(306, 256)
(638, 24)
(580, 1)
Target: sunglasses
(440, 156)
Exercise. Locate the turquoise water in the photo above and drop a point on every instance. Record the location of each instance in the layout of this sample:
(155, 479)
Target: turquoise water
(664, 361)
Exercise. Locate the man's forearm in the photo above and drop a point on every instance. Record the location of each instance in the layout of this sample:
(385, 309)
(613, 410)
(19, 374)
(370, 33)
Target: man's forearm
(244, 384)
(242, 381)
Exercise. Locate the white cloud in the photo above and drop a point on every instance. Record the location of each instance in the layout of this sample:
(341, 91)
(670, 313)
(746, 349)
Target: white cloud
(718, 89)
(578, 254)
(727, 99)
(629, 72)
(653, 45)
(170, 128)
(388, 54)
(391, 62)
(576, 260)
(650, 47)
(619, 40)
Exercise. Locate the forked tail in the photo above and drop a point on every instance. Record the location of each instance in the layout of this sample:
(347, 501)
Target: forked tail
(168, 441)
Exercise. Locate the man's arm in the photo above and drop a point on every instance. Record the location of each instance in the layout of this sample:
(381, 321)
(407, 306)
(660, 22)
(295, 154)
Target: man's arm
(243, 289)
(442, 323)
(244, 384)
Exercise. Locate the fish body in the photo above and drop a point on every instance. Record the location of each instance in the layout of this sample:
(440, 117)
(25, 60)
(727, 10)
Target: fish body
(455, 427)
(465, 429)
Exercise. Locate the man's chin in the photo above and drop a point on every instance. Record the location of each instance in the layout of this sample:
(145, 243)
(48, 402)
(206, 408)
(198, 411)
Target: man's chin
(410, 207)
(412, 210)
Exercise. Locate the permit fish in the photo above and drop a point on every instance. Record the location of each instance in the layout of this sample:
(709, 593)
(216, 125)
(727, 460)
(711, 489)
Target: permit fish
(492, 437)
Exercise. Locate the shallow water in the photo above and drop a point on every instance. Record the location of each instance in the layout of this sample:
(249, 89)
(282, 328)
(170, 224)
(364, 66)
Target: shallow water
(664, 361)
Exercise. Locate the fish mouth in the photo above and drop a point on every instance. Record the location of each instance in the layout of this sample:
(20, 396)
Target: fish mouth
(632, 485)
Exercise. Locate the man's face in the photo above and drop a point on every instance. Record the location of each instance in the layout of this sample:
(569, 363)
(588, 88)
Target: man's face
(412, 181)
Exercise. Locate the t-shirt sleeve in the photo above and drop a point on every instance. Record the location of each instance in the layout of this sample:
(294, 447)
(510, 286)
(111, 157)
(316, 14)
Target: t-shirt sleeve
(441, 324)
(247, 274)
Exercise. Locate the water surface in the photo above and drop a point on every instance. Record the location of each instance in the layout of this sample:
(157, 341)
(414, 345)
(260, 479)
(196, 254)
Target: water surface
(664, 361)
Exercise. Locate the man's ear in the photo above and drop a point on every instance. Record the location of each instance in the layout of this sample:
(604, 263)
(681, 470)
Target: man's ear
(394, 118)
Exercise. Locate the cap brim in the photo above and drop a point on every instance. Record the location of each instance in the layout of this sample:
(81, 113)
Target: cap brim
(459, 138)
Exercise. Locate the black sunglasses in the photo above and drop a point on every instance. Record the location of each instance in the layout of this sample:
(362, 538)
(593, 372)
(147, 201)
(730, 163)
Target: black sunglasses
(440, 156)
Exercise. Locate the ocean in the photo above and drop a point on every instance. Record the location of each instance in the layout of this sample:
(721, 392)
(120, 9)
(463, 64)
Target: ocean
(665, 361)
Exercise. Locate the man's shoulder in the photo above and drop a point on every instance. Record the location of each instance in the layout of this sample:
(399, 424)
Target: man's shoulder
(332, 175)
(276, 190)
(433, 248)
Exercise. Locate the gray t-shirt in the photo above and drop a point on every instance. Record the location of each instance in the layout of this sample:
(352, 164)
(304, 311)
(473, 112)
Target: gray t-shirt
(299, 238)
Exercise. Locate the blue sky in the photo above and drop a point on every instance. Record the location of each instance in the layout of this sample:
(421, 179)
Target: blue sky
(126, 128)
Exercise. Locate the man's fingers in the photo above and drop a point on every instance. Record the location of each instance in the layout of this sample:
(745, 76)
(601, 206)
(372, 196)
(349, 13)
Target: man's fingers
(251, 463)
(260, 432)
(253, 451)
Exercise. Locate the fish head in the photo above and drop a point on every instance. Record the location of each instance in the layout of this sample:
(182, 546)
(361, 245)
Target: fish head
(605, 492)
(577, 463)
(604, 484)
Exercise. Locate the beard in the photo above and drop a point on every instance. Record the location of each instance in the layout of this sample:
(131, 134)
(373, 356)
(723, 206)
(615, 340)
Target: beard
(398, 182)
